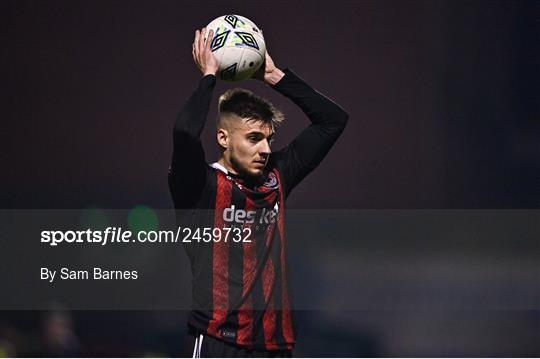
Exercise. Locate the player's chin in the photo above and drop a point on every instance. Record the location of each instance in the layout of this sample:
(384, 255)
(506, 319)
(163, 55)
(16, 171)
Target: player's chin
(256, 171)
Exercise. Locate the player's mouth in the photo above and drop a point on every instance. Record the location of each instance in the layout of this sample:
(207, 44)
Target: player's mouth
(260, 163)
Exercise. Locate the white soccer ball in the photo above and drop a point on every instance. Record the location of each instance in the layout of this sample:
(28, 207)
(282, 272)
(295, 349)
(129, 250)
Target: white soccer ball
(239, 46)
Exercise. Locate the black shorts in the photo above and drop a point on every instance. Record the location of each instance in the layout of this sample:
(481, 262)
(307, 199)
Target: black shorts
(200, 345)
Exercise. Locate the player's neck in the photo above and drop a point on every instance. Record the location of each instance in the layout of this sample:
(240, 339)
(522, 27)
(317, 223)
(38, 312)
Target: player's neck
(227, 166)
(247, 180)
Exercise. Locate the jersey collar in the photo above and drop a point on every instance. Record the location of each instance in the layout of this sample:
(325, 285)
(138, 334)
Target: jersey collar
(220, 167)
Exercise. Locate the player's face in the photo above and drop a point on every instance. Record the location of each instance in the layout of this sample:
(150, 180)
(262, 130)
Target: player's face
(249, 147)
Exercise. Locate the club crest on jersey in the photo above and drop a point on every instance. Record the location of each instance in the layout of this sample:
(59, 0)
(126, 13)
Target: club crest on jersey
(271, 181)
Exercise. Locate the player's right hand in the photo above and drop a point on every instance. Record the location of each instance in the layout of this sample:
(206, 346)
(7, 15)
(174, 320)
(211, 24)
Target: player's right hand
(202, 55)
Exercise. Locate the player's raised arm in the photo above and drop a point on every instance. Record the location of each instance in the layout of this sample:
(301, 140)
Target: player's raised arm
(327, 118)
(188, 167)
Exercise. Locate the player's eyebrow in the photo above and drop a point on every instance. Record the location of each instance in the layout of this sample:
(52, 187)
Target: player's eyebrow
(259, 134)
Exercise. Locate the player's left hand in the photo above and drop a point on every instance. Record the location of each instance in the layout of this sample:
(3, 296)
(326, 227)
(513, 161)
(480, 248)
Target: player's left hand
(268, 72)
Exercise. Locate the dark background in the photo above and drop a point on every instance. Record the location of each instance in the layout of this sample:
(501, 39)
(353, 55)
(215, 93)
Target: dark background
(444, 110)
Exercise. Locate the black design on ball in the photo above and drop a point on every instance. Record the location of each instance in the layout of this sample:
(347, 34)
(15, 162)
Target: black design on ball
(229, 72)
(232, 20)
(219, 40)
(247, 39)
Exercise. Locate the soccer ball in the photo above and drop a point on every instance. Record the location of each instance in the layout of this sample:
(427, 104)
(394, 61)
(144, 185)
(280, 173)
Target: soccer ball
(238, 45)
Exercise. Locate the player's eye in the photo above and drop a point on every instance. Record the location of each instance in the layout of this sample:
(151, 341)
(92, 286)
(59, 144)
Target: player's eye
(254, 138)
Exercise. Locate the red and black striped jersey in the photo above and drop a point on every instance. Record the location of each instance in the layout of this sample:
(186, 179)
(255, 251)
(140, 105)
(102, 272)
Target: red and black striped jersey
(240, 287)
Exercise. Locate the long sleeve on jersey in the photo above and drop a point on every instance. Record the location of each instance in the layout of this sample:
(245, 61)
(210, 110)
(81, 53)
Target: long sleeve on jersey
(308, 149)
(188, 168)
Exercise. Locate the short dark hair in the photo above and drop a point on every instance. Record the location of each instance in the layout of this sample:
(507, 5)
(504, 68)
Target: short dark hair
(245, 104)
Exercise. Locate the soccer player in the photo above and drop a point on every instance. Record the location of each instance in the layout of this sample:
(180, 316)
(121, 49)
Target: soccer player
(241, 304)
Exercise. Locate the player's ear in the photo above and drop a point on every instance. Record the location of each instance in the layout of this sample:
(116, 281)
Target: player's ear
(222, 138)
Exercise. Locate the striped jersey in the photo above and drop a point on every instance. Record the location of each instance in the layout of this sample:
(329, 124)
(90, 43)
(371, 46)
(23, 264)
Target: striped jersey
(240, 280)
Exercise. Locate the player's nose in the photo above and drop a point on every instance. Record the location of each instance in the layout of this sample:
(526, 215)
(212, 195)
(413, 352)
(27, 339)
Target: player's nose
(265, 149)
